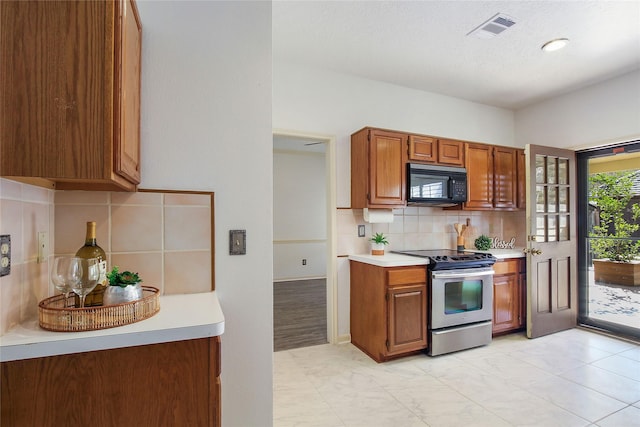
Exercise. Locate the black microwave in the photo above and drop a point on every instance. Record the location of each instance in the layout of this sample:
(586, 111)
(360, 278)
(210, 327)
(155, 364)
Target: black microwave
(431, 185)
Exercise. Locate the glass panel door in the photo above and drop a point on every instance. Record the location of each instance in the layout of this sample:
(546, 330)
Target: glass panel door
(610, 231)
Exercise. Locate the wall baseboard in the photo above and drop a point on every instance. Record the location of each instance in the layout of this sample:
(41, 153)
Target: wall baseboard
(295, 279)
(343, 339)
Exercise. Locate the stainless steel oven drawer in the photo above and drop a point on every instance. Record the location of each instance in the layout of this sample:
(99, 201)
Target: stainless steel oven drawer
(459, 338)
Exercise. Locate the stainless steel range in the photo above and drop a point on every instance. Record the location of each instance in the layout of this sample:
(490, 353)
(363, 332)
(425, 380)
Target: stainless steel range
(461, 299)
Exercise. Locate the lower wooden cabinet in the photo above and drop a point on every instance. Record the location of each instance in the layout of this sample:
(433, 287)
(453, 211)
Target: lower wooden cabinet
(388, 310)
(509, 295)
(168, 384)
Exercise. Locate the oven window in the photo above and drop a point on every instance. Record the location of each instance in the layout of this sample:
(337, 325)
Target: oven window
(465, 295)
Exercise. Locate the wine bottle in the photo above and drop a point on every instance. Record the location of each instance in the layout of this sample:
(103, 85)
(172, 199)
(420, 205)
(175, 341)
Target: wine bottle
(91, 249)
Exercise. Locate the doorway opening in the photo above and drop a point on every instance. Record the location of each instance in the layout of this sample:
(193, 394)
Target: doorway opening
(608, 230)
(303, 240)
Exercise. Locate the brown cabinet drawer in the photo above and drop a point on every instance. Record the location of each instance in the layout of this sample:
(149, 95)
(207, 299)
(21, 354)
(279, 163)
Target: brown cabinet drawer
(507, 266)
(407, 276)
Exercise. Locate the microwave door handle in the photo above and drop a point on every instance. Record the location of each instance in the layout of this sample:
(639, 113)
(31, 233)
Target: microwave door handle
(451, 275)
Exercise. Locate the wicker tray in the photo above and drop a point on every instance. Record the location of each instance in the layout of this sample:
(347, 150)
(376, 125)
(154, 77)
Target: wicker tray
(53, 316)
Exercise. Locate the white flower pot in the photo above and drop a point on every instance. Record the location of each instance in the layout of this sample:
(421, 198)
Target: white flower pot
(117, 295)
(377, 248)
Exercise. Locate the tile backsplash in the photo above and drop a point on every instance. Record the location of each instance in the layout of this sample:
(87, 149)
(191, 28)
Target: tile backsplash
(427, 228)
(164, 236)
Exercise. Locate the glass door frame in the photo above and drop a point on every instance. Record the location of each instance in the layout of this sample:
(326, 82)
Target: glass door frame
(582, 170)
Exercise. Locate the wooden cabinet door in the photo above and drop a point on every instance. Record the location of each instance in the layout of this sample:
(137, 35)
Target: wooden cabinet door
(176, 383)
(127, 141)
(506, 302)
(407, 321)
(479, 164)
(60, 116)
(451, 152)
(423, 148)
(521, 180)
(505, 177)
(53, 87)
(387, 173)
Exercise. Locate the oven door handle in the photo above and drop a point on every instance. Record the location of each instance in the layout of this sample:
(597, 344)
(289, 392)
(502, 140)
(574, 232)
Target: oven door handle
(451, 275)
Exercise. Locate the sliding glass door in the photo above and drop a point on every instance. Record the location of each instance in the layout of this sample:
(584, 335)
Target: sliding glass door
(609, 238)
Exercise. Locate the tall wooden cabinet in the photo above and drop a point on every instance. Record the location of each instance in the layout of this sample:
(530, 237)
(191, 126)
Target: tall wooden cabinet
(378, 168)
(509, 295)
(388, 309)
(70, 82)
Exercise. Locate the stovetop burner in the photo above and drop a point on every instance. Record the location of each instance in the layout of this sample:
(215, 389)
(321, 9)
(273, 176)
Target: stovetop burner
(447, 259)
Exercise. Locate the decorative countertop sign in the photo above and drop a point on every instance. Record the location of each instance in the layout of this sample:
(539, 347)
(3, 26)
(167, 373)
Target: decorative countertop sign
(496, 243)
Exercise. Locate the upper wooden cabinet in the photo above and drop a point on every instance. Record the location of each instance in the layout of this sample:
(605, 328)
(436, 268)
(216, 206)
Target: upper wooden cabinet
(428, 149)
(423, 148)
(450, 152)
(479, 164)
(493, 178)
(378, 169)
(70, 81)
(505, 177)
(522, 179)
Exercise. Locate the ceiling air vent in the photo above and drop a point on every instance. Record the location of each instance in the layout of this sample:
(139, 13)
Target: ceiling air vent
(493, 26)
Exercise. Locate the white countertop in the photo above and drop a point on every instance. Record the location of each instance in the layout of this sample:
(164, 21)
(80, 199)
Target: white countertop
(181, 317)
(398, 260)
(389, 260)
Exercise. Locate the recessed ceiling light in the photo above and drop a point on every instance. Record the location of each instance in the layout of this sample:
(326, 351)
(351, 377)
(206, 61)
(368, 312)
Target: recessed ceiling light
(555, 44)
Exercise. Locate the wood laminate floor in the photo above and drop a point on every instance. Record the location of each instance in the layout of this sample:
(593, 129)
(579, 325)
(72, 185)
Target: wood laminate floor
(299, 314)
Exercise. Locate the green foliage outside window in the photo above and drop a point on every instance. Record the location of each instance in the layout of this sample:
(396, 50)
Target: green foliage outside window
(611, 239)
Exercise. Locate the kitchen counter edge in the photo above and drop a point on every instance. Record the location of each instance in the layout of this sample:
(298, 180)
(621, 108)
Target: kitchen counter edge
(181, 317)
(389, 260)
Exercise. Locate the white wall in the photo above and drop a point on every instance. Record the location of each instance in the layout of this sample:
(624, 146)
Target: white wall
(299, 215)
(206, 125)
(599, 114)
(323, 102)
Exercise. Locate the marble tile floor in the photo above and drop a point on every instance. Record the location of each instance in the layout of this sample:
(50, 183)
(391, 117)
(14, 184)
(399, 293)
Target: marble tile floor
(572, 378)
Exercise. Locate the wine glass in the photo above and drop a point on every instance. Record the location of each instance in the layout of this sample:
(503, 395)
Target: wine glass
(63, 272)
(90, 268)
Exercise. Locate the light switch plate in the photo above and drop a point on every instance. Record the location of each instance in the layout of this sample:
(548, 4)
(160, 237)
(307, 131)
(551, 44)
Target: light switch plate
(5, 255)
(361, 230)
(237, 242)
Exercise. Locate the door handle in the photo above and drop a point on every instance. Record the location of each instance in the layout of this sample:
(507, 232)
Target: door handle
(532, 251)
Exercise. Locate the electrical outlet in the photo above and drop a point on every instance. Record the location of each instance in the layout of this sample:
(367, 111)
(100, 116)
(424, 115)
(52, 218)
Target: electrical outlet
(5, 255)
(304, 261)
(43, 246)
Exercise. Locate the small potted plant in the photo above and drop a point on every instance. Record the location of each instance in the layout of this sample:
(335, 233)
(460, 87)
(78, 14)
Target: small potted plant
(378, 241)
(483, 243)
(123, 287)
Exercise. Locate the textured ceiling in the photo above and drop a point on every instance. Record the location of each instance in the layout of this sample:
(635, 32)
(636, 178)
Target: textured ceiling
(424, 44)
